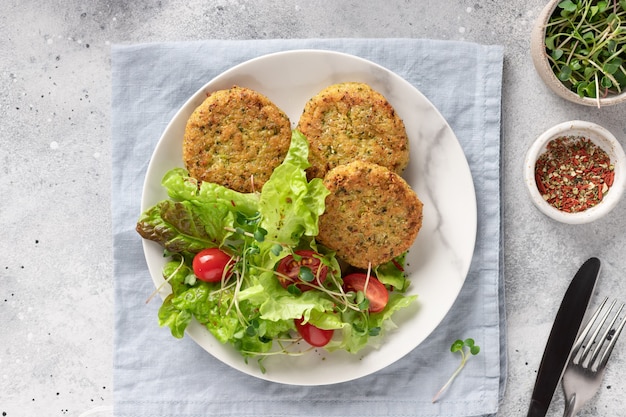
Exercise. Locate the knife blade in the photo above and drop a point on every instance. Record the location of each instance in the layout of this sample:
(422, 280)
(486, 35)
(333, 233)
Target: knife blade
(562, 336)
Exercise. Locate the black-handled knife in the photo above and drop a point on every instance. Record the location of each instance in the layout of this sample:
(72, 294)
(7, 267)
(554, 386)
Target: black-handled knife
(562, 336)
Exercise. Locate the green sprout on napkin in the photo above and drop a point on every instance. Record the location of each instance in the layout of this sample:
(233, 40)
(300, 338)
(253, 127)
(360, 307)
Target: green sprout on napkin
(467, 348)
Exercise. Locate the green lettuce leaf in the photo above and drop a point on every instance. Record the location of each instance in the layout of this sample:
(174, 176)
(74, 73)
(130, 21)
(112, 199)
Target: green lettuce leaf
(392, 274)
(280, 304)
(194, 218)
(290, 205)
(170, 315)
(181, 187)
(185, 227)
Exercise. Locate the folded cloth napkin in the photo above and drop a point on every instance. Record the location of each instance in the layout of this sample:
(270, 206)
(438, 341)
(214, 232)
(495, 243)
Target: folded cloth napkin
(157, 375)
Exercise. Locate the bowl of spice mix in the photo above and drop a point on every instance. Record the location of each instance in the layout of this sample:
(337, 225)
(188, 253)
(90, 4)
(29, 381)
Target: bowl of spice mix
(575, 172)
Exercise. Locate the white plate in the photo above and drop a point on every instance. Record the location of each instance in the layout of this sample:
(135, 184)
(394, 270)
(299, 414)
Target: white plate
(437, 263)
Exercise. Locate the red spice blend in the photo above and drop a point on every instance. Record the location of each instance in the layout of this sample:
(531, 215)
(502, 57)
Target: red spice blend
(573, 174)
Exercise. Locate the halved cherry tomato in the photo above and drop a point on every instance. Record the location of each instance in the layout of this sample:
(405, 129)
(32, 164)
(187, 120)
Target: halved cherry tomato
(375, 292)
(289, 269)
(209, 264)
(313, 335)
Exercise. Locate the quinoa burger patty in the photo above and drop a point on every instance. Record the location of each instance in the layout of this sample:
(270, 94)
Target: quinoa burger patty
(236, 138)
(351, 121)
(372, 214)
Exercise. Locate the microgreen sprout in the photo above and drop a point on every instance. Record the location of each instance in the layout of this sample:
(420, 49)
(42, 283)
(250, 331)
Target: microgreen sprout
(258, 235)
(306, 274)
(167, 279)
(466, 348)
(585, 42)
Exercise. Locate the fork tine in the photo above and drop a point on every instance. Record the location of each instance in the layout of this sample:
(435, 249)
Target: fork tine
(613, 336)
(581, 339)
(594, 345)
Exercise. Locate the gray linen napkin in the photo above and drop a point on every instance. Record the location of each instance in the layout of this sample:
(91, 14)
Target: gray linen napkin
(157, 375)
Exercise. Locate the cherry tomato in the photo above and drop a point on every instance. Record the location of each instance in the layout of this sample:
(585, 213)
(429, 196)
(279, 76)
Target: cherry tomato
(209, 264)
(289, 269)
(314, 336)
(376, 292)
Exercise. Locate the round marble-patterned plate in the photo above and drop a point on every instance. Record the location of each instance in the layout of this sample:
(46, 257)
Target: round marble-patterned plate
(438, 171)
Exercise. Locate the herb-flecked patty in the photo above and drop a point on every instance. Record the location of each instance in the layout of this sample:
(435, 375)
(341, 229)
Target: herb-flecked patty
(372, 214)
(236, 138)
(351, 121)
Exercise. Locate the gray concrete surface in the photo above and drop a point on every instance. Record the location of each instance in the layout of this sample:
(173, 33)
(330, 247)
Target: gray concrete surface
(56, 265)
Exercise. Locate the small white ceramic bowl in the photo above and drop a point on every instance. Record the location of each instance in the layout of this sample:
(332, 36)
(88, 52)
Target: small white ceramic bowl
(542, 64)
(601, 137)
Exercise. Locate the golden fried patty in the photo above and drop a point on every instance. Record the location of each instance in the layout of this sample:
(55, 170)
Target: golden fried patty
(236, 138)
(351, 121)
(372, 214)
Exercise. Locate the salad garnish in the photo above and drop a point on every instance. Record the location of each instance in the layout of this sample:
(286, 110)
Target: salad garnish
(466, 348)
(264, 283)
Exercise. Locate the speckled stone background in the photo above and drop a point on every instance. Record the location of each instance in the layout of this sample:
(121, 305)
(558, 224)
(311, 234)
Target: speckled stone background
(56, 265)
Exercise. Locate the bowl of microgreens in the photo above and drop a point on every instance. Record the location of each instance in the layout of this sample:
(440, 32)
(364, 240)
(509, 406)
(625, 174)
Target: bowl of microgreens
(575, 172)
(579, 50)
